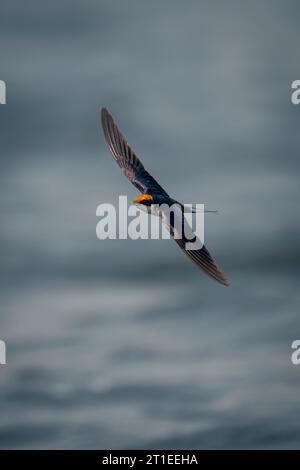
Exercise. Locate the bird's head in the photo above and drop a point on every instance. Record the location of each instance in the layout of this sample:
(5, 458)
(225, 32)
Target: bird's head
(144, 199)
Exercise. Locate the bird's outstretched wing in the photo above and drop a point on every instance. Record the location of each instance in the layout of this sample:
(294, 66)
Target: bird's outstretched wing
(127, 159)
(201, 257)
(204, 260)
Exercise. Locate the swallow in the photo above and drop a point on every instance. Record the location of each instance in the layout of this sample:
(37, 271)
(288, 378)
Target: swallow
(153, 195)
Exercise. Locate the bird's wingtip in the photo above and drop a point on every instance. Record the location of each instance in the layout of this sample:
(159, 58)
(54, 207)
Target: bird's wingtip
(226, 282)
(105, 117)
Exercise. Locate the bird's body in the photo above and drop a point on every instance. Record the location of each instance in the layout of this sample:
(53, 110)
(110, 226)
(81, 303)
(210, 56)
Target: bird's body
(155, 200)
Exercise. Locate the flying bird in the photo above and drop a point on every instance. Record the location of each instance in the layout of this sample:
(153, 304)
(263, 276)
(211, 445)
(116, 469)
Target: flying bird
(153, 195)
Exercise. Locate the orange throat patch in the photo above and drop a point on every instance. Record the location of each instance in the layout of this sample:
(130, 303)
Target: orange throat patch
(143, 197)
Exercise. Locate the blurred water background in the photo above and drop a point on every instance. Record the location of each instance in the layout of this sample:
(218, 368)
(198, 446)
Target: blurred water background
(125, 344)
